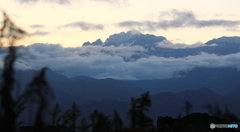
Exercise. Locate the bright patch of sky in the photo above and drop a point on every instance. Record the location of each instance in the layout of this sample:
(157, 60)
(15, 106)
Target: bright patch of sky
(73, 22)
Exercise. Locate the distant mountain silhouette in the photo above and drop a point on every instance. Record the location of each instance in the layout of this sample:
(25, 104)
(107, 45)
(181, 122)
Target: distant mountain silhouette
(166, 104)
(218, 46)
(83, 78)
(112, 94)
(171, 104)
(92, 90)
(218, 79)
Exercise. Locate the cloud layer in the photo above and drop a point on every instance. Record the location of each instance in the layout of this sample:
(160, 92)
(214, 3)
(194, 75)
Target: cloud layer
(85, 26)
(37, 26)
(40, 33)
(179, 19)
(45, 1)
(108, 62)
(61, 2)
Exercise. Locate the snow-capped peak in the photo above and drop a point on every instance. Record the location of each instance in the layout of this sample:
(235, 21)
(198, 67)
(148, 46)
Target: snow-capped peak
(120, 38)
(134, 32)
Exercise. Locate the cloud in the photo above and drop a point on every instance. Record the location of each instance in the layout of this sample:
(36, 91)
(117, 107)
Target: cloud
(117, 2)
(108, 1)
(85, 26)
(179, 19)
(168, 44)
(108, 62)
(40, 33)
(37, 26)
(61, 2)
(27, 1)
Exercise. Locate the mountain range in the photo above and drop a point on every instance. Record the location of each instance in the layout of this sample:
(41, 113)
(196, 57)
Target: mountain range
(160, 46)
(203, 83)
(168, 95)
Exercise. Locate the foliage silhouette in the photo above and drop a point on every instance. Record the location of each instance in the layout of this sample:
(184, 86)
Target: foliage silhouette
(69, 118)
(188, 107)
(10, 109)
(55, 112)
(39, 92)
(84, 126)
(116, 123)
(227, 116)
(213, 110)
(139, 120)
(100, 122)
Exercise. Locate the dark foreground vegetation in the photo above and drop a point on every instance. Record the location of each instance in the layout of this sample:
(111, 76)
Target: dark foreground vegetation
(39, 93)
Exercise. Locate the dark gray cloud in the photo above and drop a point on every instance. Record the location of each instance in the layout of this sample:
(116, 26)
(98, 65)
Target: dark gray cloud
(179, 19)
(37, 26)
(101, 65)
(85, 26)
(40, 33)
(45, 1)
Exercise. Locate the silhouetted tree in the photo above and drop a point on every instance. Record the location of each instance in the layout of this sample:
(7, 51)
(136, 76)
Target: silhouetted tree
(179, 116)
(145, 103)
(139, 120)
(165, 124)
(84, 125)
(55, 112)
(9, 116)
(99, 122)
(39, 92)
(66, 117)
(229, 117)
(75, 113)
(187, 107)
(19, 107)
(116, 123)
(214, 111)
(70, 117)
(9, 108)
(133, 113)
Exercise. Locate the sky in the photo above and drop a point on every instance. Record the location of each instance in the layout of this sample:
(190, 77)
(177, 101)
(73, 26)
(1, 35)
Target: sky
(70, 23)
(58, 28)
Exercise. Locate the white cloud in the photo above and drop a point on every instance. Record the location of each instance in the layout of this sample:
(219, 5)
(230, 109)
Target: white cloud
(168, 44)
(110, 63)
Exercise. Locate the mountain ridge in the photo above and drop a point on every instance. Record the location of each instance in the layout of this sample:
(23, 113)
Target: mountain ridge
(160, 46)
(105, 96)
